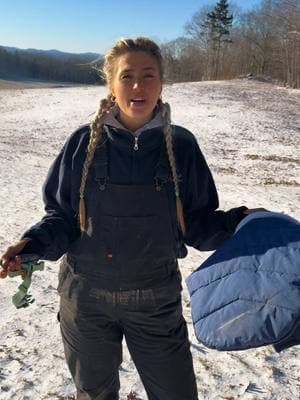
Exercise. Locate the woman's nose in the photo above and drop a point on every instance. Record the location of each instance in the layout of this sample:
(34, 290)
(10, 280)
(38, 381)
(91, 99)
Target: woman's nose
(137, 84)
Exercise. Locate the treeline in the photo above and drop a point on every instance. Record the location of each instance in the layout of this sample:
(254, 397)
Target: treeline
(22, 64)
(223, 43)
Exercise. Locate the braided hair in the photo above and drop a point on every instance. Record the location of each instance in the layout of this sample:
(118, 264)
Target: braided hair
(96, 129)
(166, 115)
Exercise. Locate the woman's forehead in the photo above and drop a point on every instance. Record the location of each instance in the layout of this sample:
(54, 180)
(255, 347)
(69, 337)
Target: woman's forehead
(136, 60)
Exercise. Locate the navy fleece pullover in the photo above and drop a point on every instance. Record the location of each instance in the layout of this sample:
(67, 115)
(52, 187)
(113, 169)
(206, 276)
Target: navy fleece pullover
(207, 227)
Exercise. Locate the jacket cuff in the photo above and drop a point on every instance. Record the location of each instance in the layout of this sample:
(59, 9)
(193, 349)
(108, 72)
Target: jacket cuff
(234, 217)
(33, 246)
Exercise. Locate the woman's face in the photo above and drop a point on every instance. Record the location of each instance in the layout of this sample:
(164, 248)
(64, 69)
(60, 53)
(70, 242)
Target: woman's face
(136, 86)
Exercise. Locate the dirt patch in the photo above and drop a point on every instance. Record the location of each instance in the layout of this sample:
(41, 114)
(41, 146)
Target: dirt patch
(225, 170)
(273, 158)
(272, 181)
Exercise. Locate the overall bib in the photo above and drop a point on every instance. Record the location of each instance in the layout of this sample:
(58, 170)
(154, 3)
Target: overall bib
(121, 279)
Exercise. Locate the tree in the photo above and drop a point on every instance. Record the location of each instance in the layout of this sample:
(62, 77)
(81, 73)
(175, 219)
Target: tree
(288, 18)
(218, 23)
(197, 28)
(183, 60)
(271, 40)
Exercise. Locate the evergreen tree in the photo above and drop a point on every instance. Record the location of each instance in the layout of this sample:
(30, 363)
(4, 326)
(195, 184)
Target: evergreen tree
(218, 23)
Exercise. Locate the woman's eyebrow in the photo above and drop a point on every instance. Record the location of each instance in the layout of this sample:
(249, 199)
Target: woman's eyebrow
(124, 71)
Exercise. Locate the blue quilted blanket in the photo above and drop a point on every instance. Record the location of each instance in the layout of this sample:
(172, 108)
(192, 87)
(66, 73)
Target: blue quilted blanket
(247, 293)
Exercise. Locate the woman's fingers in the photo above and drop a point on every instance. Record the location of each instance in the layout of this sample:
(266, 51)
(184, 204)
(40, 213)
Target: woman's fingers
(3, 273)
(10, 264)
(5, 259)
(15, 264)
(10, 261)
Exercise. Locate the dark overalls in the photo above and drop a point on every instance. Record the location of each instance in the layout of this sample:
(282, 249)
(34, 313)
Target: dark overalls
(120, 279)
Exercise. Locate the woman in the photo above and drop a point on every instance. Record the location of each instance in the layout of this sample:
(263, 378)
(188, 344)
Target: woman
(141, 190)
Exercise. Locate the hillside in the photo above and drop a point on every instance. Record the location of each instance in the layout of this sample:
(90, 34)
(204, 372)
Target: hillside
(249, 134)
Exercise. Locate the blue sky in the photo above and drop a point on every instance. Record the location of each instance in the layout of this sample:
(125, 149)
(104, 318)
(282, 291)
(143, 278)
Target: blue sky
(94, 25)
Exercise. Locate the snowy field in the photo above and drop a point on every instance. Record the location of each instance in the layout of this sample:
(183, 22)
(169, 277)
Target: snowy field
(249, 133)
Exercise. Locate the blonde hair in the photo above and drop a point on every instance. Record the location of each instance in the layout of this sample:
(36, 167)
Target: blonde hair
(123, 46)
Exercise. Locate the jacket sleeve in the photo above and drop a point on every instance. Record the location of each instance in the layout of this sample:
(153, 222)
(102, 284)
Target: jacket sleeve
(51, 237)
(206, 226)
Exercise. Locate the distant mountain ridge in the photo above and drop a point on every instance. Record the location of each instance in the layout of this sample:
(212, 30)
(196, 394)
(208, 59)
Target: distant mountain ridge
(50, 65)
(56, 53)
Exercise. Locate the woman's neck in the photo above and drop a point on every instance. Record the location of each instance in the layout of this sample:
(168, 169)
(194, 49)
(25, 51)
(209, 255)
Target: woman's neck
(132, 124)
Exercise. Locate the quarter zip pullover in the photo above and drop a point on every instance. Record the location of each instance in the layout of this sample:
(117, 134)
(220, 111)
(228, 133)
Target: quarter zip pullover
(207, 227)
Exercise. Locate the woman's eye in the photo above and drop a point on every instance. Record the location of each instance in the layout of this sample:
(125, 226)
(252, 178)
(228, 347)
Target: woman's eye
(125, 77)
(149, 76)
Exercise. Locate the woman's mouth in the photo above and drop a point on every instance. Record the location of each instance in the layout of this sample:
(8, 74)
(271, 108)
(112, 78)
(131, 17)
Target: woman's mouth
(137, 101)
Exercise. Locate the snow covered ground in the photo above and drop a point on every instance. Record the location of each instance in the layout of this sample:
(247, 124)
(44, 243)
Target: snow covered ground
(250, 134)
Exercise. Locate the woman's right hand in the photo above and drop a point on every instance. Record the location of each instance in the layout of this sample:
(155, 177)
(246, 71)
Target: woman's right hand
(10, 261)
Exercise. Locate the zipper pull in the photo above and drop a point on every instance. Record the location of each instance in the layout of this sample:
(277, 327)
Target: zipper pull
(136, 146)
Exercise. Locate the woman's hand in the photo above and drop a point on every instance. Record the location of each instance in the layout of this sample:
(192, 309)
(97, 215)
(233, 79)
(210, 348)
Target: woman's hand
(10, 261)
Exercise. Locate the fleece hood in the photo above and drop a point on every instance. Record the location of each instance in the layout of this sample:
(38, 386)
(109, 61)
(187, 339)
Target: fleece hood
(112, 120)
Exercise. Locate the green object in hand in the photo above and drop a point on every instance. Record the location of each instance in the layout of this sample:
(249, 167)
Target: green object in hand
(29, 264)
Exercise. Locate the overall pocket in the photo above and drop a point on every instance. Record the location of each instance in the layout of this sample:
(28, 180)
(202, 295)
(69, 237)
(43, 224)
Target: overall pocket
(62, 274)
(66, 278)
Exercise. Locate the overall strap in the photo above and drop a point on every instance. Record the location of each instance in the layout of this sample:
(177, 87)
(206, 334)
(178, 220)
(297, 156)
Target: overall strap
(100, 163)
(163, 169)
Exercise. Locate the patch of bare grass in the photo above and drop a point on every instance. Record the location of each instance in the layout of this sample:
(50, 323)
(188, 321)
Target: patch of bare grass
(273, 158)
(281, 182)
(225, 170)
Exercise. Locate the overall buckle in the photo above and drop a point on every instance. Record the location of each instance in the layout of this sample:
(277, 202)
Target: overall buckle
(159, 182)
(102, 183)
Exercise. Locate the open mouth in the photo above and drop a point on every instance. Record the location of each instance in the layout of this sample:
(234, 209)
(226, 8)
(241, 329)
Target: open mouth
(137, 101)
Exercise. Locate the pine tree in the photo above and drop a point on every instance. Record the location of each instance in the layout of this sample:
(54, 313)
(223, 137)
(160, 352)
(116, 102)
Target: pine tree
(220, 21)
(218, 24)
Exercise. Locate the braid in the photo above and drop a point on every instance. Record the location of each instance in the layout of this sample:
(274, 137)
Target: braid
(166, 115)
(96, 129)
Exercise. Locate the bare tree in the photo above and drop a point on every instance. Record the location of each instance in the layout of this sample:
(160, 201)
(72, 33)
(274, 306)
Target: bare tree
(183, 60)
(288, 17)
